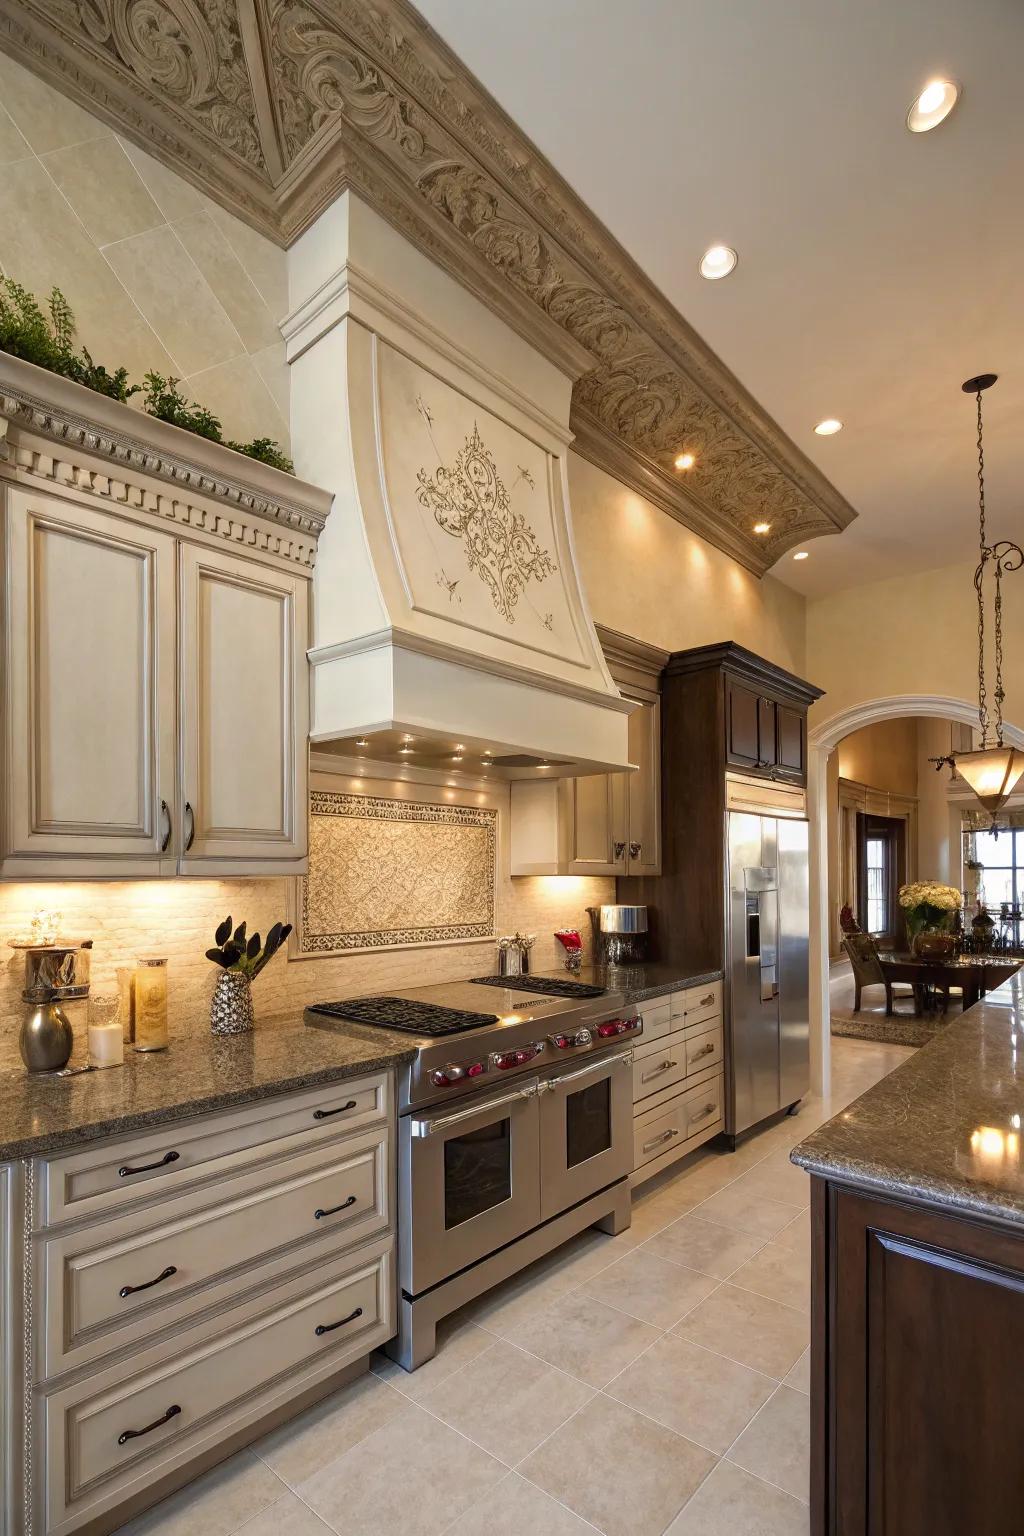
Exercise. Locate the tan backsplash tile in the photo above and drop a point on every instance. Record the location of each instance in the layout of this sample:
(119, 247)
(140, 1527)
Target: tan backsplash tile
(104, 189)
(47, 119)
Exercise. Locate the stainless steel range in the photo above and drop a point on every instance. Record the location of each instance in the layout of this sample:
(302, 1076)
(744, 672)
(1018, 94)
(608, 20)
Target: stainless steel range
(514, 1133)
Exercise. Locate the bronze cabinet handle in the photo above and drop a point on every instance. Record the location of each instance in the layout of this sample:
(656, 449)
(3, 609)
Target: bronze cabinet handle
(709, 1109)
(665, 1136)
(190, 836)
(635, 850)
(135, 1434)
(705, 1050)
(325, 1114)
(165, 842)
(319, 1215)
(322, 1328)
(618, 849)
(126, 1171)
(147, 1285)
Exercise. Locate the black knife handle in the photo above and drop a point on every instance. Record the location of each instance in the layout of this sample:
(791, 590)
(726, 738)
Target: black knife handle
(322, 1328)
(319, 1215)
(325, 1114)
(135, 1434)
(125, 1171)
(131, 1290)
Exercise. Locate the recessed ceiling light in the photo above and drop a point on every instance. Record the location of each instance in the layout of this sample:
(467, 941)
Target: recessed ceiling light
(762, 527)
(685, 460)
(934, 104)
(801, 554)
(718, 261)
(829, 427)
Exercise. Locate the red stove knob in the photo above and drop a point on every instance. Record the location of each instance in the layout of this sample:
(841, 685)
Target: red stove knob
(524, 1055)
(440, 1079)
(504, 1059)
(563, 1042)
(612, 1027)
(475, 1069)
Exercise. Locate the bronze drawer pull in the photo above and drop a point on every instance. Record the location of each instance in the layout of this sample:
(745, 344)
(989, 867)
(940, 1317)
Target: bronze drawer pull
(319, 1215)
(706, 1002)
(125, 1171)
(191, 836)
(325, 1114)
(665, 1136)
(131, 1290)
(666, 1066)
(166, 839)
(709, 1109)
(322, 1328)
(135, 1434)
(705, 1050)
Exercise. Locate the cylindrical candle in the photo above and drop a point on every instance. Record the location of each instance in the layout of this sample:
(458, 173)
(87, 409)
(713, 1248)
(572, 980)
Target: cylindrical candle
(106, 1042)
(151, 1004)
(126, 996)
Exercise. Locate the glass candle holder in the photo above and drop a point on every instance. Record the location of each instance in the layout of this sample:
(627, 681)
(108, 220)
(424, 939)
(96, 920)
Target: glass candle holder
(106, 1040)
(126, 1002)
(151, 1004)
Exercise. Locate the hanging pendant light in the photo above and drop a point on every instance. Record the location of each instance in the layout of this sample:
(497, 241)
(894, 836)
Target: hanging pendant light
(992, 771)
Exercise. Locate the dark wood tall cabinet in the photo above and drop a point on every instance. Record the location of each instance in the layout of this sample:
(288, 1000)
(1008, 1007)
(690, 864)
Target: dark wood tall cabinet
(724, 711)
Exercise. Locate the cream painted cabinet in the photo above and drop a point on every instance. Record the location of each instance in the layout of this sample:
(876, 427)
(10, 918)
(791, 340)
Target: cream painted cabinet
(595, 811)
(244, 719)
(156, 711)
(89, 647)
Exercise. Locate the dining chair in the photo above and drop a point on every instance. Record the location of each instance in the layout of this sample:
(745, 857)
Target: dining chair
(867, 972)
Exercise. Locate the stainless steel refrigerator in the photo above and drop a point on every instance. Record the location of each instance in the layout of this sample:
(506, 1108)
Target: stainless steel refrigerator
(767, 967)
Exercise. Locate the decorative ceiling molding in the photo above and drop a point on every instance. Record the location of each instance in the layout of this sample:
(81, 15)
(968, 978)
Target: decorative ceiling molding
(275, 107)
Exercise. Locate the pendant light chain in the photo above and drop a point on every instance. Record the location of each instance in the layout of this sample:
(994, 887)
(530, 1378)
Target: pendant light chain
(979, 580)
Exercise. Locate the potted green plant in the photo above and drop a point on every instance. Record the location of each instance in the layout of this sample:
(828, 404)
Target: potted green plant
(241, 959)
(930, 910)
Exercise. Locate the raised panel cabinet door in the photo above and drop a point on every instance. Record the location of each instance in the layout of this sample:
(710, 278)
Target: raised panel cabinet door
(597, 828)
(742, 738)
(89, 650)
(790, 748)
(767, 734)
(245, 714)
(643, 790)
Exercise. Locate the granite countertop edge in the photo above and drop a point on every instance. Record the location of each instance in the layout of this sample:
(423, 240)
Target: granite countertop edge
(859, 1175)
(643, 983)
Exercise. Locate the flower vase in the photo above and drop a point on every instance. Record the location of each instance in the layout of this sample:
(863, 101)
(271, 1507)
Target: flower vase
(933, 944)
(231, 1011)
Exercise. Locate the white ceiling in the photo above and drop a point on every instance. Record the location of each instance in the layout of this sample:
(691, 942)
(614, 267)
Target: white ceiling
(878, 268)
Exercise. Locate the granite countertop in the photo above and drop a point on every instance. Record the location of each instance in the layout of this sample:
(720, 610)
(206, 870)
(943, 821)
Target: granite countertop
(199, 1072)
(944, 1129)
(641, 983)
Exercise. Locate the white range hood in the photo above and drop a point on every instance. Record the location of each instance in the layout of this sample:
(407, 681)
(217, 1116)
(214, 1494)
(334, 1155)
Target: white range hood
(449, 618)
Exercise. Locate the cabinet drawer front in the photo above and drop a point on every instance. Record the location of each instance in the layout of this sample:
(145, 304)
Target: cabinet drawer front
(112, 1284)
(656, 1134)
(702, 1106)
(111, 1435)
(660, 1067)
(91, 1182)
(657, 1019)
(677, 1004)
(703, 1002)
(703, 1050)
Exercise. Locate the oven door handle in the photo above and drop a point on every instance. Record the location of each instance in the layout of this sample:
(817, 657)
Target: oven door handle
(432, 1127)
(551, 1084)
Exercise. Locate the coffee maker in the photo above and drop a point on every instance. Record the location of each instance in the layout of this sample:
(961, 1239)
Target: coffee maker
(619, 934)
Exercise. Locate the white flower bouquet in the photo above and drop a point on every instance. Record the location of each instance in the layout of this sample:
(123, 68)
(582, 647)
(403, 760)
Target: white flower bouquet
(929, 906)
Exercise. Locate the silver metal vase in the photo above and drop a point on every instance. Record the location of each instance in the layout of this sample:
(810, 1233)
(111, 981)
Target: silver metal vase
(46, 1038)
(231, 1011)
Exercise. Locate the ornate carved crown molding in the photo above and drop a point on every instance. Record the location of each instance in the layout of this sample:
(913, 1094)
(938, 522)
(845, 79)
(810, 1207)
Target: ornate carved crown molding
(53, 429)
(274, 107)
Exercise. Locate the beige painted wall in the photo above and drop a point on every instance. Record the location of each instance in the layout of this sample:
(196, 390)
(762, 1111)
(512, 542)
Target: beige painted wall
(882, 755)
(159, 277)
(646, 575)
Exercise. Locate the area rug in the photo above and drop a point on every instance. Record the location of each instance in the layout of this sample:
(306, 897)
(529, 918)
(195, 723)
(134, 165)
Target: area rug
(904, 1029)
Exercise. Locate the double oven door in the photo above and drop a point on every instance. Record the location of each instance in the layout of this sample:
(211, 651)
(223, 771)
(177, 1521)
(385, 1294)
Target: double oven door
(475, 1177)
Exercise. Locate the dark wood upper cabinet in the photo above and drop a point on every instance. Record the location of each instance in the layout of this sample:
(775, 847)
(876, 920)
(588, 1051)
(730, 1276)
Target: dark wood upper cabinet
(791, 740)
(742, 735)
(765, 716)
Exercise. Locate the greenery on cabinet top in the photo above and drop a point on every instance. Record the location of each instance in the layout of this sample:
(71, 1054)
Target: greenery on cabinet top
(47, 338)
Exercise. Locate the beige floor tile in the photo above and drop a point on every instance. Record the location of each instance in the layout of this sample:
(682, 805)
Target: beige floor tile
(780, 1273)
(799, 1377)
(584, 1337)
(458, 1342)
(215, 1504)
(652, 1289)
(698, 1394)
(797, 1236)
(618, 1469)
(748, 1210)
(778, 1179)
(328, 1429)
(507, 1401)
(519, 1298)
(704, 1245)
(749, 1328)
(104, 189)
(776, 1444)
(519, 1508)
(288, 1517)
(733, 1503)
(172, 295)
(47, 119)
(415, 1474)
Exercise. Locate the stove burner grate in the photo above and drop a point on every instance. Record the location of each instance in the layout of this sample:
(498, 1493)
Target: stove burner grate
(548, 986)
(405, 1015)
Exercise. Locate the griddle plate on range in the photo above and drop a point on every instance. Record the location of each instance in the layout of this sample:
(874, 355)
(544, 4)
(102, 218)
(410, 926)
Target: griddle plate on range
(547, 986)
(406, 1015)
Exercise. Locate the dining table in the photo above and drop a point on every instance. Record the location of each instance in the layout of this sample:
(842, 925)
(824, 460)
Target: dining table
(932, 977)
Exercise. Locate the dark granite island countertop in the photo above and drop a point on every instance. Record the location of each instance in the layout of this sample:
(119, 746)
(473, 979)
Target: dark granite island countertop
(638, 983)
(944, 1129)
(197, 1073)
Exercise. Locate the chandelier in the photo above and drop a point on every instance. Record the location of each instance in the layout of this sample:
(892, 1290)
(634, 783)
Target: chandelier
(993, 770)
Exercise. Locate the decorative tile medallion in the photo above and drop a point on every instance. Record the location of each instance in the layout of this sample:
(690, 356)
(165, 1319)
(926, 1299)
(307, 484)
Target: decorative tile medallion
(384, 873)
